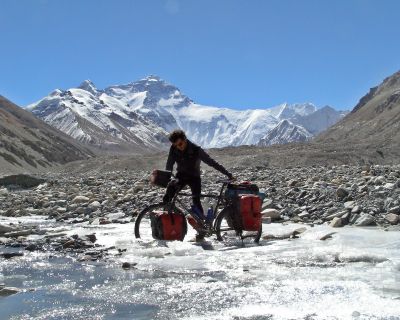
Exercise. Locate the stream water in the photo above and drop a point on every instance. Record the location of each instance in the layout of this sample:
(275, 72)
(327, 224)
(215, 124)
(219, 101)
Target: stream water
(353, 275)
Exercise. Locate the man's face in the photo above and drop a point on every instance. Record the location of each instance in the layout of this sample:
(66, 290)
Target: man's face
(180, 144)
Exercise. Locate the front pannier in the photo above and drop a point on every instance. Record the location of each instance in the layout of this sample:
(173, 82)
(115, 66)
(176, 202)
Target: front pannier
(249, 209)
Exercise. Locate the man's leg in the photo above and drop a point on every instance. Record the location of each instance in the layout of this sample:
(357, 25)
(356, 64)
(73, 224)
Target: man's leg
(173, 187)
(195, 186)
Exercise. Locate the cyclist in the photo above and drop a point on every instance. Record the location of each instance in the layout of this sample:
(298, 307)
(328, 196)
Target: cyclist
(188, 156)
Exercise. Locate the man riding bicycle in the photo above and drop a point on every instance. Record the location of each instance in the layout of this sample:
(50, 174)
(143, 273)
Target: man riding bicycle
(188, 156)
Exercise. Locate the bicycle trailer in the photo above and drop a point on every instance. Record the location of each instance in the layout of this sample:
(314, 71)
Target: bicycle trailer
(168, 226)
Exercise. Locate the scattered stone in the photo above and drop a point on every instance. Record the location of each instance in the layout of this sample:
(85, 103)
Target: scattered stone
(5, 229)
(336, 222)
(365, 220)
(8, 291)
(91, 237)
(80, 199)
(128, 265)
(327, 236)
(9, 255)
(272, 213)
(392, 218)
(342, 193)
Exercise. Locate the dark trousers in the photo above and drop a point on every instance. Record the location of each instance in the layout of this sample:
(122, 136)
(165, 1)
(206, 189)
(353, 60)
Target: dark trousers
(178, 184)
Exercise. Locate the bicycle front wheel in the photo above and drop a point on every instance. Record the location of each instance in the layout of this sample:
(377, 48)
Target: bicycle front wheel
(227, 233)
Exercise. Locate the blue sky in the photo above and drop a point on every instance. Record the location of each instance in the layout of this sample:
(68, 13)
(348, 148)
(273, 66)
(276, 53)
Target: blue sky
(239, 54)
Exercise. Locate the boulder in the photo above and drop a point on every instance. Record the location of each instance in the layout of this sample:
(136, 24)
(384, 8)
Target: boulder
(95, 205)
(392, 218)
(272, 213)
(3, 191)
(336, 222)
(365, 220)
(21, 180)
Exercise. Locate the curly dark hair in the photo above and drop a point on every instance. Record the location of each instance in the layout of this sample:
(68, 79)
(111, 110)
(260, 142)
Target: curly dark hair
(176, 135)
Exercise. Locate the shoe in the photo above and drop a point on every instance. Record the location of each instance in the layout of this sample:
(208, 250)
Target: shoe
(197, 238)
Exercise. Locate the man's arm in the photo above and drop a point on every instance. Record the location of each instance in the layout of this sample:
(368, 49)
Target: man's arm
(204, 156)
(170, 160)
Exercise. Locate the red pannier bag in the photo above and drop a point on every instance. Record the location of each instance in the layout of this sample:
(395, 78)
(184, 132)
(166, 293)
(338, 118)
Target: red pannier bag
(168, 226)
(249, 207)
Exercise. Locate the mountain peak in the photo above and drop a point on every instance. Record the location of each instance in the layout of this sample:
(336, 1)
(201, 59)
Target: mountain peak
(89, 86)
(153, 77)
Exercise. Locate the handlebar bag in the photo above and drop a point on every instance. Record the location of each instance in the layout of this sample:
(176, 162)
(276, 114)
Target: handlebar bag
(168, 226)
(160, 178)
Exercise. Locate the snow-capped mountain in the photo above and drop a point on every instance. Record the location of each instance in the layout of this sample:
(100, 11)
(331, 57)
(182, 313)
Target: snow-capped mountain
(91, 116)
(285, 132)
(142, 112)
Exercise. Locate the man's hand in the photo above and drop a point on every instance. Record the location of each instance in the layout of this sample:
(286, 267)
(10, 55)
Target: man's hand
(232, 178)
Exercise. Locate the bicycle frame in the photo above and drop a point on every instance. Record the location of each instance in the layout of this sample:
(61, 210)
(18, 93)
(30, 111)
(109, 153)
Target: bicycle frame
(213, 196)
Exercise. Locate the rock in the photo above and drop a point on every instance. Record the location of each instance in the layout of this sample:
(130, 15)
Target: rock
(342, 193)
(365, 220)
(80, 199)
(272, 213)
(349, 205)
(336, 222)
(32, 247)
(327, 236)
(104, 221)
(395, 210)
(128, 265)
(379, 180)
(304, 214)
(392, 218)
(95, 205)
(292, 183)
(3, 191)
(91, 237)
(4, 229)
(68, 244)
(15, 234)
(356, 209)
(8, 291)
(9, 255)
(389, 186)
(21, 180)
(266, 220)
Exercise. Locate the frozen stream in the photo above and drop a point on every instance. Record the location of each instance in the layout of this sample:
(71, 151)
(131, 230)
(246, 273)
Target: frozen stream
(353, 275)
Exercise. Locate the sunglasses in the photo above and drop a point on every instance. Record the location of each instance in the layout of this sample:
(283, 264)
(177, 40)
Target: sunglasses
(180, 144)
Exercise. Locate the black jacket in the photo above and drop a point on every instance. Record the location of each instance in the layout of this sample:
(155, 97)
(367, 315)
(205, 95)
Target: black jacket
(189, 160)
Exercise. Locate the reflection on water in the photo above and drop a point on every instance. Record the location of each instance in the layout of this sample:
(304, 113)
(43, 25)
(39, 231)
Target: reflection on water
(354, 275)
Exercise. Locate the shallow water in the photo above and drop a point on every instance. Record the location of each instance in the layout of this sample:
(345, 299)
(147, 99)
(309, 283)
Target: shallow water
(354, 275)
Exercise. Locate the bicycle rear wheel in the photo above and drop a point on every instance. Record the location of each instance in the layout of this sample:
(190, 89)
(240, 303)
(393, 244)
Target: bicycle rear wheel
(143, 222)
(225, 231)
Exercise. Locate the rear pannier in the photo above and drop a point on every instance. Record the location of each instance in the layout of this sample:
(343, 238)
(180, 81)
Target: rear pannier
(168, 226)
